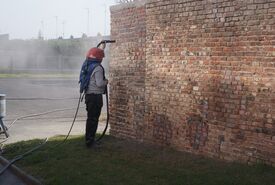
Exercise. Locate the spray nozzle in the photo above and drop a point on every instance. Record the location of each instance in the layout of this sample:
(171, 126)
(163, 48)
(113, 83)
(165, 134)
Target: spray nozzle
(104, 42)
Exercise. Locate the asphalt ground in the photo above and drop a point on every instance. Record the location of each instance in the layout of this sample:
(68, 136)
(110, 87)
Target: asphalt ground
(28, 96)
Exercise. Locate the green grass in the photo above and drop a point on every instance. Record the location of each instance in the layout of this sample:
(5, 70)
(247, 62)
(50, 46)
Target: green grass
(120, 162)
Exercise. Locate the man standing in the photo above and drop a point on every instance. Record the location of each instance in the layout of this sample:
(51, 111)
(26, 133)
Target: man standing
(96, 86)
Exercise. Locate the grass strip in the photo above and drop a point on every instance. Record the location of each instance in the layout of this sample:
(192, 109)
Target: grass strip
(120, 162)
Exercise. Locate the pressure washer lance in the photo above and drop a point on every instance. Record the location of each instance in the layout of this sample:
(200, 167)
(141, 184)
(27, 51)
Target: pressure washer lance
(19, 157)
(103, 44)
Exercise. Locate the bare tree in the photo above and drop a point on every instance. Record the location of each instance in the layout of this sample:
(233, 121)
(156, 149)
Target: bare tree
(124, 1)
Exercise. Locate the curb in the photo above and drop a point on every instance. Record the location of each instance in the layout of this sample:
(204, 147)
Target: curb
(29, 180)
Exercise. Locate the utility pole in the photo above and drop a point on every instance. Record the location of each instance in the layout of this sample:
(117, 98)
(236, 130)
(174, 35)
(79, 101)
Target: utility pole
(91, 22)
(88, 21)
(42, 28)
(56, 26)
(63, 27)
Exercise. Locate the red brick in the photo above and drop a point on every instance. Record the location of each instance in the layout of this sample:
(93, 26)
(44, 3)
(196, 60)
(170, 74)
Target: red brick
(186, 76)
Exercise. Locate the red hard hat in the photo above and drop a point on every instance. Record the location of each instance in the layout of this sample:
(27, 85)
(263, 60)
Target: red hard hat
(95, 53)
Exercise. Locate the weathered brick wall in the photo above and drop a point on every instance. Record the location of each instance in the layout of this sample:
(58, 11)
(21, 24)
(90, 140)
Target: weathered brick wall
(207, 82)
(127, 70)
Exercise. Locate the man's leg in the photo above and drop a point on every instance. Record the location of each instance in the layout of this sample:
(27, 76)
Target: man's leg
(94, 104)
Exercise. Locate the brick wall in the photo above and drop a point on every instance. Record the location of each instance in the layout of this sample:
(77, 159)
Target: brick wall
(196, 75)
(127, 71)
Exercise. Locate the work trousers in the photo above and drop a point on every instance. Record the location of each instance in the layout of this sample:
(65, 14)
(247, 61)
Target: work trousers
(94, 104)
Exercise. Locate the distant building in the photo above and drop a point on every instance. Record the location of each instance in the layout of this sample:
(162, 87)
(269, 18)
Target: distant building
(4, 37)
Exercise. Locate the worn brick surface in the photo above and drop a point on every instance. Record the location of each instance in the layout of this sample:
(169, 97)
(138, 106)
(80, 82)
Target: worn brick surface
(127, 71)
(197, 75)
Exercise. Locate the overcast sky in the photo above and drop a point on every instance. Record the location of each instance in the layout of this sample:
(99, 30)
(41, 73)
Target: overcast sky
(24, 18)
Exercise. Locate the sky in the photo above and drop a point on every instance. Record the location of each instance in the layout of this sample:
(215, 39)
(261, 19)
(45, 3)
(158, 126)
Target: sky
(24, 19)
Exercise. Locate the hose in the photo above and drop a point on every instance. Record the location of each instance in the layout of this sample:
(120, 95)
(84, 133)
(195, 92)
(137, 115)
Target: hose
(32, 115)
(58, 110)
(17, 158)
(76, 112)
(39, 114)
(107, 120)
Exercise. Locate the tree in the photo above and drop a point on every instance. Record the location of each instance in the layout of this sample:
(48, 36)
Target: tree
(40, 37)
(124, 1)
(84, 36)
